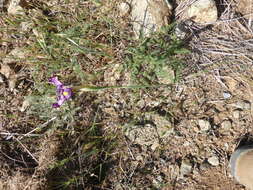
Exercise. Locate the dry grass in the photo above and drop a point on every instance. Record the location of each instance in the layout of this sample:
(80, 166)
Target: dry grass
(227, 41)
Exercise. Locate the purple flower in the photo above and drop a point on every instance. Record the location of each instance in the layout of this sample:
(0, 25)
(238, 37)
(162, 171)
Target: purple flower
(63, 93)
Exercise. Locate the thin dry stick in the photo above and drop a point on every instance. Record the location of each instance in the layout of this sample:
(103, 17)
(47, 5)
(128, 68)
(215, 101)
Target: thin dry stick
(39, 127)
(18, 134)
(26, 149)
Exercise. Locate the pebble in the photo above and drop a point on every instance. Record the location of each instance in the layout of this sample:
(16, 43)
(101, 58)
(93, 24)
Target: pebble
(214, 161)
(154, 146)
(24, 106)
(226, 95)
(186, 143)
(236, 114)
(204, 125)
(245, 105)
(139, 158)
(26, 26)
(124, 8)
(1, 79)
(185, 168)
(226, 125)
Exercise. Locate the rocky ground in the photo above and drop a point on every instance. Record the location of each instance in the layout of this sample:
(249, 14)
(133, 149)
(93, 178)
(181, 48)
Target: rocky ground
(176, 137)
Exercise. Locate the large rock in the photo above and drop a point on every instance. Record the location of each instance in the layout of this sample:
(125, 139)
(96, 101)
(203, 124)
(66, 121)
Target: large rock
(150, 15)
(202, 11)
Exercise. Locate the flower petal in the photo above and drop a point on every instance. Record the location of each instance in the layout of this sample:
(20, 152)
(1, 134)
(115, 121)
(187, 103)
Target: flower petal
(67, 93)
(55, 81)
(55, 105)
(60, 100)
(63, 93)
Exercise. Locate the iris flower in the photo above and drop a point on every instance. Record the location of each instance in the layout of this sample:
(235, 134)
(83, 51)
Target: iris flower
(63, 93)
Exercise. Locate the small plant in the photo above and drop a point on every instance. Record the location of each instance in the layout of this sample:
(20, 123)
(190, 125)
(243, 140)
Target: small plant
(149, 59)
(63, 93)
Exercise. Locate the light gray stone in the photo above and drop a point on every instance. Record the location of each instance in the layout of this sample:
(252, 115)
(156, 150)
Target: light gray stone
(226, 125)
(236, 114)
(245, 105)
(26, 26)
(124, 8)
(227, 95)
(1, 79)
(204, 125)
(185, 168)
(214, 161)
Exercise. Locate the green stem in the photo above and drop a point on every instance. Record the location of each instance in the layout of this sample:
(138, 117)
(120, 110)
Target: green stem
(94, 88)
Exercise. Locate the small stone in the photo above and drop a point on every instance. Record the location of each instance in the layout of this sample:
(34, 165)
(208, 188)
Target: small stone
(244, 105)
(1, 79)
(236, 114)
(10, 75)
(204, 125)
(226, 125)
(226, 95)
(214, 161)
(124, 8)
(186, 143)
(226, 146)
(203, 11)
(26, 26)
(139, 158)
(185, 168)
(6, 70)
(154, 146)
(25, 105)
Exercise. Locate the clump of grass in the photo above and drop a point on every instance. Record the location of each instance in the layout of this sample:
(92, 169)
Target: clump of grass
(151, 55)
(75, 42)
